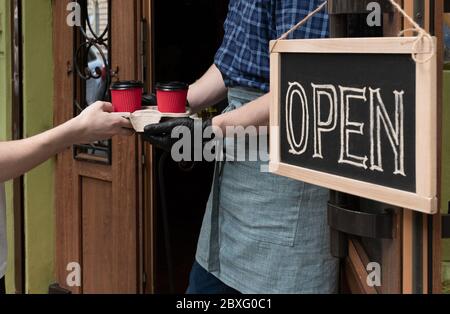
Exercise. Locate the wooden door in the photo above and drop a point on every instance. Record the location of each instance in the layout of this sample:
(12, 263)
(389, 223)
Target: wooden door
(367, 236)
(401, 245)
(97, 188)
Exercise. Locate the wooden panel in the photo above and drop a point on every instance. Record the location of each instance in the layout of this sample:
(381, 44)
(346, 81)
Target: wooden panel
(427, 17)
(425, 253)
(125, 31)
(16, 134)
(355, 269)
(408, 6)
(274, 111)
(149, 197)
(392, 259)
(392, 23)
(149, 219)
(67, 216)
(95, 171)
(436, 220)
(147, 11)
(100, 252)
(114, 190)
(407, 254)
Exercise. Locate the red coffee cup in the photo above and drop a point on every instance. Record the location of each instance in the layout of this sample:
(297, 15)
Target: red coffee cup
(172, 97)
(127, 96)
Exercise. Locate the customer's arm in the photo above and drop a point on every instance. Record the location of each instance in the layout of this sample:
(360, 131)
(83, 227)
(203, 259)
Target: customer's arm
(94, 124)
(209, 90)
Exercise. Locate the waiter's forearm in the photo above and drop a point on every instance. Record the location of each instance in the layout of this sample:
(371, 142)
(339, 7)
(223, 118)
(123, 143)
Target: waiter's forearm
(209, 90)
(255, 113)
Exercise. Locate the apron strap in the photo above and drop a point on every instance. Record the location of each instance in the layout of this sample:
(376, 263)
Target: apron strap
(214, 247)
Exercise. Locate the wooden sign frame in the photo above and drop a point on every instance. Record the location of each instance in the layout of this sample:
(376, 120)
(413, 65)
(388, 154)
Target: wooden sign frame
(425, 198)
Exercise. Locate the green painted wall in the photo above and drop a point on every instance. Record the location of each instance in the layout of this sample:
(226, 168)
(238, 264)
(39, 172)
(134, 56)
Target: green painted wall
(5, 122)
(38, 117)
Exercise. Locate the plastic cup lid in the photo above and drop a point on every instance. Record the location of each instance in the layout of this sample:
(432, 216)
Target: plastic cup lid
(172, 86)
(123, 85)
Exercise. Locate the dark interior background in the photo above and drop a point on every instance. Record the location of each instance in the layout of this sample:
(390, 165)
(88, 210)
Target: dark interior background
(187, 36)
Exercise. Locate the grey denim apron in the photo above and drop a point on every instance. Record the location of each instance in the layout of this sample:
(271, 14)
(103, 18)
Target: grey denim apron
(263, 233)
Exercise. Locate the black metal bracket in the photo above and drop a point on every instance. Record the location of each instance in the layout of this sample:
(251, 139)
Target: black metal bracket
(375, 226)
(344, 222)
(57, 289)
(446, 226)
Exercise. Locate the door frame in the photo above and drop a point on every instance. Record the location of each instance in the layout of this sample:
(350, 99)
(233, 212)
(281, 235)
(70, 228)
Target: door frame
(422, 234)
(125, 17)
(148, 181)
(17, 133)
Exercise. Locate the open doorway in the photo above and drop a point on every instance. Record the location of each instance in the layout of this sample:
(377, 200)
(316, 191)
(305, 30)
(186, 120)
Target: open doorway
(186, 36)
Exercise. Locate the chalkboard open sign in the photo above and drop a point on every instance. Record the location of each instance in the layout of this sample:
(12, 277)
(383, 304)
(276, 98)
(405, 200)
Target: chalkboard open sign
(357, 116)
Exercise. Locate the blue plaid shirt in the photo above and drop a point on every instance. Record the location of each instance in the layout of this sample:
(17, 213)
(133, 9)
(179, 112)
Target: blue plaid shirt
(243, 58)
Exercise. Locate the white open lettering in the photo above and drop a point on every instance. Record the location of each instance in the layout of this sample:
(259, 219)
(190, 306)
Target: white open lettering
(326, 120)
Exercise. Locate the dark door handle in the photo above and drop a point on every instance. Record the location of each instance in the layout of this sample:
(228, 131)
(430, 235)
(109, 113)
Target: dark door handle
(344, 223)
(375, 226)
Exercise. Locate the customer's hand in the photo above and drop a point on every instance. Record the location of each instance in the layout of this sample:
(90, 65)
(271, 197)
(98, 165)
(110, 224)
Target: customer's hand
(97, 123)
(160, 135)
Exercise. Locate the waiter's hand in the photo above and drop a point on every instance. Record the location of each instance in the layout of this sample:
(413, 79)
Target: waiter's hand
(160, 135)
